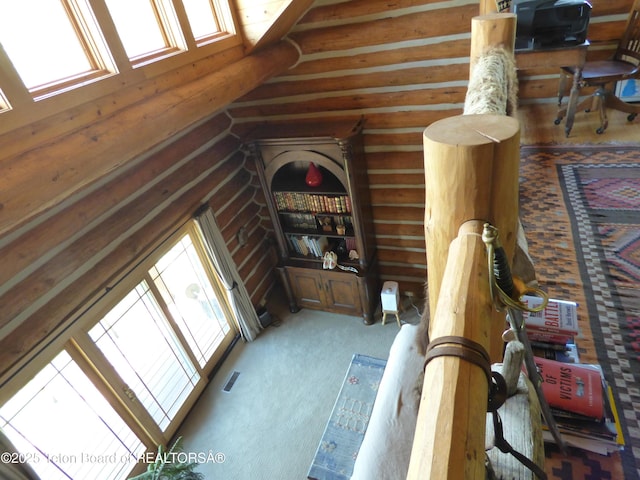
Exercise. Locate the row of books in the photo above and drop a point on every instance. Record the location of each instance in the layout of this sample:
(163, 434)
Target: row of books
(308, 245)
(552, 331)
(582, 404)
(303, 221)
(308, 202)
(578, 394)
(310, 221)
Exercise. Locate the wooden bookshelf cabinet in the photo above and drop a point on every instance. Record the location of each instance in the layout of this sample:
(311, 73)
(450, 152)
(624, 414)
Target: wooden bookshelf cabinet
(310, 220)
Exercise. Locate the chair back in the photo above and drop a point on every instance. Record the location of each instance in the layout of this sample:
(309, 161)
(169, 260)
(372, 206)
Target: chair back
(503, 5)
(629, 46)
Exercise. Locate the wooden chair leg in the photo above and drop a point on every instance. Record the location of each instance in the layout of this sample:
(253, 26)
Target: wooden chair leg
(602, 104)
(562, 86)
(615, 103)
(572, 105)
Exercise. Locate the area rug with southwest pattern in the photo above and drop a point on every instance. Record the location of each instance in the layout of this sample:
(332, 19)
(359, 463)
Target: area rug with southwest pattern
(343, 435)
(580, 208)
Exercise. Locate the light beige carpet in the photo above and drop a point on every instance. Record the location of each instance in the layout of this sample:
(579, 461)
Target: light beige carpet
(269, 424)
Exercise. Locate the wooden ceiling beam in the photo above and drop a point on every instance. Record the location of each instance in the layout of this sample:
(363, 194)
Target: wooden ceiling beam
(260, 35)
(40, 178)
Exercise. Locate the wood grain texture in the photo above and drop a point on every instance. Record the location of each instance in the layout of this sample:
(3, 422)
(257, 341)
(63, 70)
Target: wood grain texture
(450, 430)
(401, 64)
(377, 59)
(37, 179)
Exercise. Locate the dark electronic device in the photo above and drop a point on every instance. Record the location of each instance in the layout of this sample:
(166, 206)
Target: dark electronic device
(550, 23)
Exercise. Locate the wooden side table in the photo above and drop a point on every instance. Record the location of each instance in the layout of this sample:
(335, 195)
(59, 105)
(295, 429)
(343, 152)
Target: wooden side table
(572, 55)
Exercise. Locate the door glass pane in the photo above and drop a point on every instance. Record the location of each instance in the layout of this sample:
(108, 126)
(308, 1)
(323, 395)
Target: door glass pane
(137, 340)
(64, 426)
(201, 18)
(4, 104)
(138, 26)
(41, 41)
(185, 288)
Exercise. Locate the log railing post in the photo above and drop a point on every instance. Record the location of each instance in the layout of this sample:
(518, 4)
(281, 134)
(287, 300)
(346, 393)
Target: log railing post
(471, 177)
(491, 6)
(488, 6)
(490, 31)
(449, 441)
(471, 172)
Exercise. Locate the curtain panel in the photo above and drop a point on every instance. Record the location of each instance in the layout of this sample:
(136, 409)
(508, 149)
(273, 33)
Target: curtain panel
(11, 469)
(245, 315)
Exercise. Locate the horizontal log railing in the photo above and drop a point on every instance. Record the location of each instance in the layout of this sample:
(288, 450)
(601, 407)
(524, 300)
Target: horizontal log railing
(449, 441)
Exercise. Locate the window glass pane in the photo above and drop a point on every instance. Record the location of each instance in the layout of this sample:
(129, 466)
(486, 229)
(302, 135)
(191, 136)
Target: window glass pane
(61, 422)
(39, 38)
(4, 104)
(185, 288)
(138, 26)
(201, 18)
(137, 340)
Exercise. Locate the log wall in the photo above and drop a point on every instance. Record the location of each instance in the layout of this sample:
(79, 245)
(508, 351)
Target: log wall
(86, 190)
(83, 201)
(403, 65)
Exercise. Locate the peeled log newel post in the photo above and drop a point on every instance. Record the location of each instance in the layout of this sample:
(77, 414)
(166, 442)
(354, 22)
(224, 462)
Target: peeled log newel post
(471, 173)
(488, 6)
(490, 31)
(471, 177)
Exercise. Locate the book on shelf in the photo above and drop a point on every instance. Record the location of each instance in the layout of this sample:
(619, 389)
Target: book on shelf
(311, 202)
(582, 405)
(549, 338)
(603, 437)
(556, 324)
(306, 245)
(558, 316)
(566, 353)
(576, 388)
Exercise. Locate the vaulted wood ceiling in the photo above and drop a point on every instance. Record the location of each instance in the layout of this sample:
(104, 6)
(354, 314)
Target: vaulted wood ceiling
(263, 22)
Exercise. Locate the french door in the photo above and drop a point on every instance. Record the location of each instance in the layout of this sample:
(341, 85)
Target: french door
(128, 374)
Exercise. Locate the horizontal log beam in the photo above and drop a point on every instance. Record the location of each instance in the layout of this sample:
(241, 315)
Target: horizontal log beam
(59, 312)
(394, 78)
(36, 180)
(392, 196)
(47, 236)
(399, 56)
(399, 229)
(412, 26)
(354, 101)
(399, 213)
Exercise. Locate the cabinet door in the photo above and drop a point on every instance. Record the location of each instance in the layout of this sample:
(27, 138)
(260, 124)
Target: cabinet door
(341, 293)
(307, 287)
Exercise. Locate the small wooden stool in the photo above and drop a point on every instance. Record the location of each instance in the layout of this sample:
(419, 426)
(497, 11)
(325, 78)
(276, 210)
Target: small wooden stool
(390, 299)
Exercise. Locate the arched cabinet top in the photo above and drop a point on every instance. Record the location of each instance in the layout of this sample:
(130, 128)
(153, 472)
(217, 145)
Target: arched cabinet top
(287, 172)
